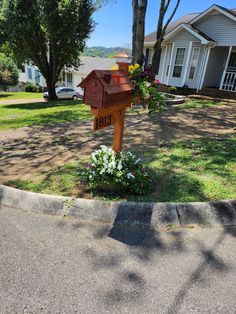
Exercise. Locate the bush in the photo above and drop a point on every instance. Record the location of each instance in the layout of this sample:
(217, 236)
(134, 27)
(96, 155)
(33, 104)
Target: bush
(31, 88)
(123, 171)
(172, 89)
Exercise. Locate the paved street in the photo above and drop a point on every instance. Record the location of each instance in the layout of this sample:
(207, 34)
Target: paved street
(55, 265)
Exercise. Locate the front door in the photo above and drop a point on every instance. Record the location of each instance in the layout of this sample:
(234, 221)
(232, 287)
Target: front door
(232, 61)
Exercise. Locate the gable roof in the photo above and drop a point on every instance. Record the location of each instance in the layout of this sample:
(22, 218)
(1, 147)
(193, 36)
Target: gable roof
(205, 39)
(186, 19)
(229, 13)
(109, 81)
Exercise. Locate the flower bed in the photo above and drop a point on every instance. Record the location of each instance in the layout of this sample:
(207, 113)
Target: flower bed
(108, 170)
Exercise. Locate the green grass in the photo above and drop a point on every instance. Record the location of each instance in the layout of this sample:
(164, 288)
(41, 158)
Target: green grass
(200, 104)
(186, 171)
(19, 95)
(20, 115)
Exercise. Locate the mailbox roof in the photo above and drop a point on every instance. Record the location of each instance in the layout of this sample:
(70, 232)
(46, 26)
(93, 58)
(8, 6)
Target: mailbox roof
(113, 86)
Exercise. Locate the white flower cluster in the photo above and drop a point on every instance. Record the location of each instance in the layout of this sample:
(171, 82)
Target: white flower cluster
(106, 157)
(105, 161)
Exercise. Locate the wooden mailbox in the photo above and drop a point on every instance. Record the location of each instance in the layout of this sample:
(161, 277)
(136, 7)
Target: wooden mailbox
(108, 93)
(104, 89)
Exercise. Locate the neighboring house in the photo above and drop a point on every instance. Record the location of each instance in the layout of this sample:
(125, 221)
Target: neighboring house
(70, 77)
(198, 50)
(88, 64)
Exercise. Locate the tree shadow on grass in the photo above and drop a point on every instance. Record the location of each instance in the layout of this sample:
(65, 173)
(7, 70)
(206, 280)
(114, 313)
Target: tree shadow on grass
(43, 105)
(5, 95)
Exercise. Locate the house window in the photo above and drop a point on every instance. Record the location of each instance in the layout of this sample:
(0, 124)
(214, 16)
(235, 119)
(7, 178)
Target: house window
(69, 78)
(194, 61)
(179, 60)
(29, 72)
(37, 76)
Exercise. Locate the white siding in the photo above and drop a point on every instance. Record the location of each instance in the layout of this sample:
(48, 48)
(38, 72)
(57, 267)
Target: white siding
(215, 66)
(219, 27)
(183, 38)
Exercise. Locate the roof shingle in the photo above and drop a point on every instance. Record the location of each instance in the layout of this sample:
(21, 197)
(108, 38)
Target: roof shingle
(186, 19)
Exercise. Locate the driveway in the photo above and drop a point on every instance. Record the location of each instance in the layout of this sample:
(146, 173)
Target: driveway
(58, 265)
(21, 101)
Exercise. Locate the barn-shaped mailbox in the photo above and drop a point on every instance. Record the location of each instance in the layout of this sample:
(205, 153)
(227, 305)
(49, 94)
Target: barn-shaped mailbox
(103, 89)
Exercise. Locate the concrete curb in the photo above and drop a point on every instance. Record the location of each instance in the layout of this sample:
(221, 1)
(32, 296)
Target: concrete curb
(148, 213)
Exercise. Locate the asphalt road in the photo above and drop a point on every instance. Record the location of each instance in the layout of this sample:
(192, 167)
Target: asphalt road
(55, 265)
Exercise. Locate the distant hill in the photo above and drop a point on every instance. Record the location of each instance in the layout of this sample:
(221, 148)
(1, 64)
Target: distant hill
(102, 52)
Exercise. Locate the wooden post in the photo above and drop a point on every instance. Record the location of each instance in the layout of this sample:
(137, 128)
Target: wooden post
(119, 130)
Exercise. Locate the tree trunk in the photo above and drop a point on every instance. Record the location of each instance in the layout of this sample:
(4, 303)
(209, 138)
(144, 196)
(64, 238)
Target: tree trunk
(139, 13)
(156, 56)
(161, 29)
(134, 27)
(51, 90)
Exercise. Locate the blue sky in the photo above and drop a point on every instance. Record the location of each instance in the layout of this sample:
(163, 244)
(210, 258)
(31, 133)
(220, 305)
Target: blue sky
(114, 22)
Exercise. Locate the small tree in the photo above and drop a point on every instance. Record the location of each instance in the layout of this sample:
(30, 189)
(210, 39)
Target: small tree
(8, 71)
(138, 30)
(50, 33)
(161, 29)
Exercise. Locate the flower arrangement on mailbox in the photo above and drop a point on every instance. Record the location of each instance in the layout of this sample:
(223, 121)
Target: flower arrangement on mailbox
(146, 88)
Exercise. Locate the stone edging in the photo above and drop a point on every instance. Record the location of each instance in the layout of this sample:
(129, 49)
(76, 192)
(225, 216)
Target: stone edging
(148, 213)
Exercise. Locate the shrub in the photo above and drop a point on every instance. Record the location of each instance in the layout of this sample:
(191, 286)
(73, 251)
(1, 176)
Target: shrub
(123, 171)
(31, 88)
(172, 89)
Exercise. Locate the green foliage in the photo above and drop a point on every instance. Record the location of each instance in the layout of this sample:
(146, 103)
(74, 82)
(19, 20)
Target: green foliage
(101, 52)
(172, 89)
(122, 171)
(31, 88)
(146, 89)
(8, 71)
(50, 33)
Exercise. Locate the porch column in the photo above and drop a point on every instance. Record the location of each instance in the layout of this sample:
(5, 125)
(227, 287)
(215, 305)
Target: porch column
(164, 63)
(205, 67)
(171, 60)
(187, 62)
(226, 66)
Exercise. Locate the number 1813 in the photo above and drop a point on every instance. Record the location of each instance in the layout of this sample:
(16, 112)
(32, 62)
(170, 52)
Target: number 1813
(103, 122)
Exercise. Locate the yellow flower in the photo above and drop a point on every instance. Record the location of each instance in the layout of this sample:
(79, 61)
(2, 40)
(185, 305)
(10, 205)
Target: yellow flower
(115, 67)
(131, 69)
(136, 66)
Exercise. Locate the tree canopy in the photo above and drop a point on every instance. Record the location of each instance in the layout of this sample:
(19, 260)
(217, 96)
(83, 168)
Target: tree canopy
(8, 71)
(50, 33)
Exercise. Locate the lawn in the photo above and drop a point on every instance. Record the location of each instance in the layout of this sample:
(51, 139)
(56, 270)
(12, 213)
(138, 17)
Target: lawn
(19, 95)
(184, 171)
(200, 104)
(20, 115)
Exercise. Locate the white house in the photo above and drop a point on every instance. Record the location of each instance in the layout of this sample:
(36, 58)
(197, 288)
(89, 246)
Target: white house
(69, 77)
(198, 50)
